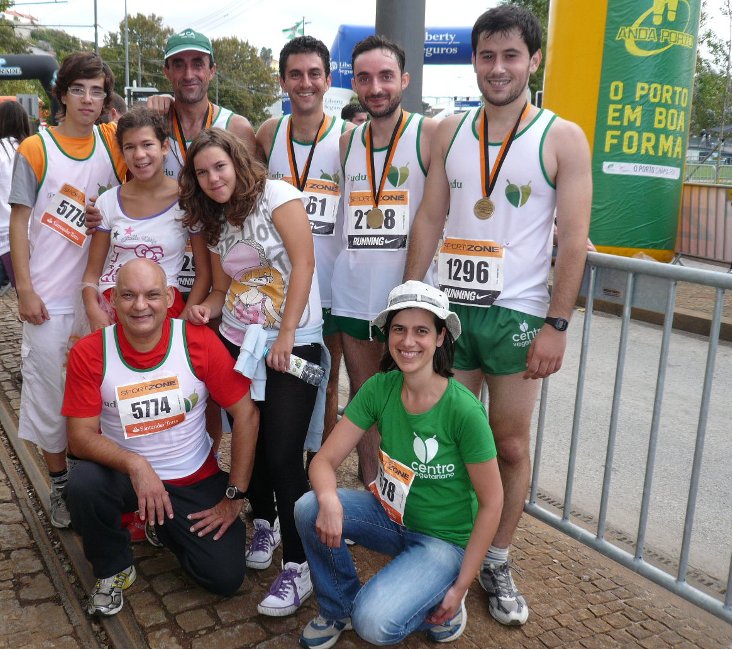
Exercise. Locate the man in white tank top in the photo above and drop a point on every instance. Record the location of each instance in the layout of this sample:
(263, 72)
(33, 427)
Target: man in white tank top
(144, 384)
(502, 172)
(303, 149)
(385, 165)
(56, 173)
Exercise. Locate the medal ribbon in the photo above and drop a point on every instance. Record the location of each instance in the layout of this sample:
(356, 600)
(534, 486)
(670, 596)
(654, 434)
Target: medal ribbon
(301, 180)
(178, 129)
(489, 180)
(391, 149)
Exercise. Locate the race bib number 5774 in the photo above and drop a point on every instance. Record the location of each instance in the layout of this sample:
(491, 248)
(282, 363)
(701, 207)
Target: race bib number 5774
(150, 406)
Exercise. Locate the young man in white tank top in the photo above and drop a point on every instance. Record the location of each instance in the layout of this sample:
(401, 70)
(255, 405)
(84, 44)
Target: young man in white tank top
(502, 172)
(56, 173)
(385, 163)
(303, 149)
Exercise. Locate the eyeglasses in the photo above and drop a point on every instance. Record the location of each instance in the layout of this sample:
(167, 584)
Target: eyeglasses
(81, 91)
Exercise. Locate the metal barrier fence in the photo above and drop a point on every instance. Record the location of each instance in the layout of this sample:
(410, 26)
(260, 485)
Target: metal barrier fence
(708, 172)
(652, 286)
(705, 223)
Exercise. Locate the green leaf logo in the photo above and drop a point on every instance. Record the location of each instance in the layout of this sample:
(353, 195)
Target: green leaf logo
(516, 195)
(397, 176)
(190, 401)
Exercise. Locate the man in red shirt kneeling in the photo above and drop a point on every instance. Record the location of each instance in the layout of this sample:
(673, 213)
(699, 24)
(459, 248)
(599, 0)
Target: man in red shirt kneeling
(145, 383)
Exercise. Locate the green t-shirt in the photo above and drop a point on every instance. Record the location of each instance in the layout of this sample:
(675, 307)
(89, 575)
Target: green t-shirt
(431, 449)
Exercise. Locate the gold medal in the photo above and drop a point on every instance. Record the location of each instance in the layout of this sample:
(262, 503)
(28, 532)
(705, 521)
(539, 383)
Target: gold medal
(484, 208)
(375, 218)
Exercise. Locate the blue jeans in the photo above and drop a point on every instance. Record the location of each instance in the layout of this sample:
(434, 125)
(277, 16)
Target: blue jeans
(397, 599)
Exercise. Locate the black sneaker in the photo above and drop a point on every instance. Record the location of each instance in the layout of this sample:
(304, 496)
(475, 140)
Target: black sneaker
(151, 535)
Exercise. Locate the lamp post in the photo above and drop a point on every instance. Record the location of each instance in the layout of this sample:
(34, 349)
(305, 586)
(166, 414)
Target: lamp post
(96, 28)
(127, 50)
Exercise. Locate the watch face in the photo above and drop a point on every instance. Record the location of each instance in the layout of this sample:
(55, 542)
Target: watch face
(231, 492)
(560, 324)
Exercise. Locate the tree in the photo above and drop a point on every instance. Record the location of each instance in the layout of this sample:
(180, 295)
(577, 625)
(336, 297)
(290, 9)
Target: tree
(710, 109)
(266, 55)
(246, 84)
(12, 44)
(58, 43)
(9, 42)
(147, 41)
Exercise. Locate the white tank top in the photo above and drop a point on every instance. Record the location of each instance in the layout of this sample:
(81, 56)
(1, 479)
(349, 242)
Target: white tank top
(175, 158)
(371, 261)
(8, 147)
(160, 412)
(58, 242)
(160, 238)
(322, 192)
(521, 226)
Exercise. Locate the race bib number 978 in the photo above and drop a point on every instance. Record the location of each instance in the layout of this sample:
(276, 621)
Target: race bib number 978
(392, 485)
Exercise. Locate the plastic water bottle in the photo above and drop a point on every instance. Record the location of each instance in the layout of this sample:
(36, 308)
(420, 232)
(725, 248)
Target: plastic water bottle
(302, 369)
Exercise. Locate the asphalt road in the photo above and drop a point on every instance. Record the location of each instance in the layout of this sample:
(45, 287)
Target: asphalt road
(712, 536)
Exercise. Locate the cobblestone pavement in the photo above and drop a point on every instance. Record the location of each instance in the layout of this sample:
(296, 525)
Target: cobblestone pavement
(578, 599)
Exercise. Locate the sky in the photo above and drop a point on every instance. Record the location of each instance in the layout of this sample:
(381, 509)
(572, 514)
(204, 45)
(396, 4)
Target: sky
(260, 22)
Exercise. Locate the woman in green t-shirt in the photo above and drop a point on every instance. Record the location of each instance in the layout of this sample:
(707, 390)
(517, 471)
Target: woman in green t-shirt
(435, 504)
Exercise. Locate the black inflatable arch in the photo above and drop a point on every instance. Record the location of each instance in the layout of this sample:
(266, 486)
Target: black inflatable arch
(31, 66)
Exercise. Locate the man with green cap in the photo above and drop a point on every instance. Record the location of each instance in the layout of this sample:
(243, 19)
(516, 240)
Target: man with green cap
(189, 66)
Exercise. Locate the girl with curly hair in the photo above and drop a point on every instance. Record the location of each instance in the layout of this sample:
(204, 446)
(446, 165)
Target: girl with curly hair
(262, 263)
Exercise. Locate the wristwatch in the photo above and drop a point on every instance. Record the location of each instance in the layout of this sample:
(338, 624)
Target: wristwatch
(233, 493)
(560, 324)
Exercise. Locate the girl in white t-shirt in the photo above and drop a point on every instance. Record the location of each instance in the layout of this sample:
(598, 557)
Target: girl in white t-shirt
(142, 219)
(262, 263)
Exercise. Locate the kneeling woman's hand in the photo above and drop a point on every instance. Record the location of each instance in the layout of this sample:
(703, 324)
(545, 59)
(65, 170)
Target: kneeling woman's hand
(329, 523)
(447, 608)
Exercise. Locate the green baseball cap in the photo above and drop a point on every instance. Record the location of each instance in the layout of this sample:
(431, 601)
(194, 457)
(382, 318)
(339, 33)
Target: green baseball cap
(186, 41)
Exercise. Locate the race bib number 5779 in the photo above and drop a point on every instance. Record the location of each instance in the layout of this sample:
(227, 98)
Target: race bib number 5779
(65, 214)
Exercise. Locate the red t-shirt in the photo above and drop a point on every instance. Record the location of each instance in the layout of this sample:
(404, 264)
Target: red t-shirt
(211, 362)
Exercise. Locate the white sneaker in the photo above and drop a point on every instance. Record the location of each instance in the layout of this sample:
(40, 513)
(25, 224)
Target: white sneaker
(291, 588)
(60, 516)
(505, 603)
(106, 598)
(264, 541)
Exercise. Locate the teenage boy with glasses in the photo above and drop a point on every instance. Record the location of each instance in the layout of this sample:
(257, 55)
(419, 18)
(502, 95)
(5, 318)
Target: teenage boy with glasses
(56, 172)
